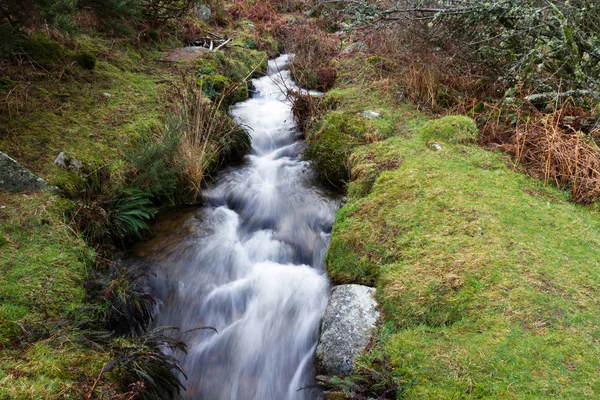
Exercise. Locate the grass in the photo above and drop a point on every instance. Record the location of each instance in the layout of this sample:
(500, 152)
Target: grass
(41, 287)
(108, 116)
(487, 279)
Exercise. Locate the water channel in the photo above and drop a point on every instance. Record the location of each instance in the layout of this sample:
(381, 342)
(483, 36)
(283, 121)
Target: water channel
(250, 263)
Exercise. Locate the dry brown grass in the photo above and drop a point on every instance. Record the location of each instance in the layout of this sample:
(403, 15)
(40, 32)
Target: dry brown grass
(550, 147)
(306, 109)
(206, 132)
(260, 11)
(435, 79)
(312, 66)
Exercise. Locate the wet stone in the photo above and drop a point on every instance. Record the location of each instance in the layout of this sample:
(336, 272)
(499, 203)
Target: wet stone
(349, 321)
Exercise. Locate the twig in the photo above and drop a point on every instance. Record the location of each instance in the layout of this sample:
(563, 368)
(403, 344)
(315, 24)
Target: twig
(221, 45)
(254, 69)
(91, 392)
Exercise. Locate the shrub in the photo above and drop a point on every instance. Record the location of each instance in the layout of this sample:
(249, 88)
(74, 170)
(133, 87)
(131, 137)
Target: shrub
(549, 149)
(153, 166)
(125, 292)
(208, 138)
(312, 66)
(30, 13)
(543, 51)
(86, 60)
(160, 11)
(148, 362)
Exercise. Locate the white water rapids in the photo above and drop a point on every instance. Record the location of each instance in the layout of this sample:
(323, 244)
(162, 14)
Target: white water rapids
(250, 264)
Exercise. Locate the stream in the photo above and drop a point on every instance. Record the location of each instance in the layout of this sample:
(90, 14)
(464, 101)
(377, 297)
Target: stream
(249, 263)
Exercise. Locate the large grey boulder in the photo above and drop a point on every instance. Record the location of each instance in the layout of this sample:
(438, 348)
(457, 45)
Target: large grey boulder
(349, 321)
(14, 176)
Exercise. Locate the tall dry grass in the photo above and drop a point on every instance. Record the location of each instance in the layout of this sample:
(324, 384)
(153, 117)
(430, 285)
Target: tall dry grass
(549, 147)
(207, 134)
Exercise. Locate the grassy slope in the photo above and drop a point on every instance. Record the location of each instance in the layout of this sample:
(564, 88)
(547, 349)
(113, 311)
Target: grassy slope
(43, 263)
(488, 280)
(43, 268)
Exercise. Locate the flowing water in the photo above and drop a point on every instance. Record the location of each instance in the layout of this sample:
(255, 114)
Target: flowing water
(250, 263)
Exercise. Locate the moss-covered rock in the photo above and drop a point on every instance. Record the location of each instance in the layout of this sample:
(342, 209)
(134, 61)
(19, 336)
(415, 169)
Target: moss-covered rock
(213, 85)
(331, 143)
(42, 50)
(451, 129)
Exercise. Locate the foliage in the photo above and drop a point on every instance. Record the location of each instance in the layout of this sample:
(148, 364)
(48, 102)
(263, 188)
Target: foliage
(158, 11)
(312, 66)
(150, 359)
(154, 167)
(544, 50)
(60, 14)
(124, 291)
(57, 13)
(130, 212)
(549, 148)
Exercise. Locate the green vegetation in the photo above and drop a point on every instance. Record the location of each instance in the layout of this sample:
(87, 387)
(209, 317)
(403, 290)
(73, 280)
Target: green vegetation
(136, 137)
(542, 52)
(41, 286)
(487, 279)
(331, 140)
(480, 295)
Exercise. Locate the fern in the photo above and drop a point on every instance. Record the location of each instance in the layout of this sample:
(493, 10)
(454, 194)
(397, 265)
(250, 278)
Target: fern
(130, 213)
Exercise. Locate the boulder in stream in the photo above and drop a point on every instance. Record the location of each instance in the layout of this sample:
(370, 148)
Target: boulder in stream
(14, 176)
(349, 321)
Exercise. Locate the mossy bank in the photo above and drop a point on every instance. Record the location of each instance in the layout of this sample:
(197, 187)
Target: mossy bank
(486, 278)
(130, 126)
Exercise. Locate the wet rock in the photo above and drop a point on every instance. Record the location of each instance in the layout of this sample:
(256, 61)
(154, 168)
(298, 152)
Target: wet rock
(66, 162)
(371, 114)
(13, 176)
(349, 321)
(356, 48)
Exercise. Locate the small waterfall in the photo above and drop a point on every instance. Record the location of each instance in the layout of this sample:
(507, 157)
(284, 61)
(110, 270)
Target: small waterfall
(250, 263)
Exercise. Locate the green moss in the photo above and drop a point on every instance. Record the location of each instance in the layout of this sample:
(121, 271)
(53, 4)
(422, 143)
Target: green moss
(240, 93)
(487, 278)
(42, 50)
(451, 129)
(47, 371)
(380, 63)
(331, 143)
(43, 264)
(213, 85)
